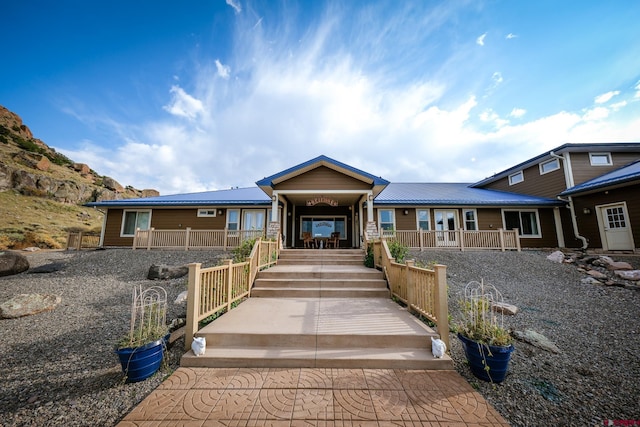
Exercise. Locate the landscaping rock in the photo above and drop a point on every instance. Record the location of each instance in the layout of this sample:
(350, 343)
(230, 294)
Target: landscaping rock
(619, 265)
(12, 263)
(504, 308)
(590, 281)
(163, 272)
(596, 274)
(181, 298)
(537, 340)
(629, 275)
(28, 304)
(557, 256)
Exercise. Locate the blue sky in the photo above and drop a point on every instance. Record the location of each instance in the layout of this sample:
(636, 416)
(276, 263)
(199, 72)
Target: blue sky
(211, 94)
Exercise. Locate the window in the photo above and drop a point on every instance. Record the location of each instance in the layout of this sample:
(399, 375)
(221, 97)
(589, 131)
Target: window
(253, 220)
(600, 159)
(549, 166)
(206, 212)
(386, 219)
(516, 178)
(423, 219)
(323, 226)
(233, 219)
(132, 220)
(470, 219)
(525, 221)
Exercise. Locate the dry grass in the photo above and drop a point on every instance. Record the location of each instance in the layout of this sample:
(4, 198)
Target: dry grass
(34, 221)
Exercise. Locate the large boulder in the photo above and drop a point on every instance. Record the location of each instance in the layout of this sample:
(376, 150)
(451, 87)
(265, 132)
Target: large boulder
(28, 304)
(164, 272)
(12, 263)
(629, 275)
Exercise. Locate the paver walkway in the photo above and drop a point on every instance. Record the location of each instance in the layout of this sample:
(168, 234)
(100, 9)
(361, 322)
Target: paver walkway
(313, 397)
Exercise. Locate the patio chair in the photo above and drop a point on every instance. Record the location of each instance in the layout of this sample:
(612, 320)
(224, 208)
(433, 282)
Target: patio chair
(308, 241)
(334, 240)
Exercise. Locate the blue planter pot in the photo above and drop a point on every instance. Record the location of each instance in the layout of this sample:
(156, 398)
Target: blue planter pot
(482, 356)
(139, 363)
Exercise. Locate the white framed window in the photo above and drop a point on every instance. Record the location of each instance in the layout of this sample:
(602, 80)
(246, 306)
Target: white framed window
(253, 219)
(526, 221)
(423, 219)
(233, 219)
(387, 219)
(206, 212)
(470, 219)
(600, 159)
(132, 220)
(549, 166)
(516, 178)
(323, 226)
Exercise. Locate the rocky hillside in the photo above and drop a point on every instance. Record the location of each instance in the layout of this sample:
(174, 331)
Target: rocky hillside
(42, 191)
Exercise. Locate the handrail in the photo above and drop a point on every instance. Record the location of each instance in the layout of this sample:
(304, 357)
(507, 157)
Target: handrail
(216, 288)
(424, 291)
(456, 239)
(82, 240)
(188, 238)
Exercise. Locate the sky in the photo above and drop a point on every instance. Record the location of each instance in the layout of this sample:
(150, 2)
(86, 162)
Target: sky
(198, 95)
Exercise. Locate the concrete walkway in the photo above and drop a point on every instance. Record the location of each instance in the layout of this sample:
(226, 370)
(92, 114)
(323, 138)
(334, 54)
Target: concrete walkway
(313, 397)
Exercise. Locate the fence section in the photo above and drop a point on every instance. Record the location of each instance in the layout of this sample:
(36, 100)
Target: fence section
(192, 239)
(217, 288)
(456, 239)
(80, 240)
(424, 291)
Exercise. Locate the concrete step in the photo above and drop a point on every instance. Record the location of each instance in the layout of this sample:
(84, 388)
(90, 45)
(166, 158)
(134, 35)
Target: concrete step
(310, 357)
(289, 292)
(343, 272)
(320, 252)
(319, 283)
(320, 261)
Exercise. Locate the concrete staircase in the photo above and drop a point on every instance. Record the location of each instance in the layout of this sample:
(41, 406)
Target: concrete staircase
(318, 308)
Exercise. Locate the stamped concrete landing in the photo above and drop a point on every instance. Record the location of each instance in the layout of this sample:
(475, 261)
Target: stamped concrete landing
(313, 397)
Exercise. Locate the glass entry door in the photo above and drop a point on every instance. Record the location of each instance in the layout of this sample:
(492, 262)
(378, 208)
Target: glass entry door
(446, 222)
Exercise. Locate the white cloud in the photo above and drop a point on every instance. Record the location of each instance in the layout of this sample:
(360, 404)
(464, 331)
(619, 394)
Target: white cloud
(497, 78)
(637, 88)
(517, 112)
(606, 97)
(183, 104)
(510, 36)
(597, 113)
(480, 40)
(223, 70)
(618, 105)
(235, 5)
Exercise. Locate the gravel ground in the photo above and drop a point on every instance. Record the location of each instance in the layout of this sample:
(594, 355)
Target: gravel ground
(58, 367)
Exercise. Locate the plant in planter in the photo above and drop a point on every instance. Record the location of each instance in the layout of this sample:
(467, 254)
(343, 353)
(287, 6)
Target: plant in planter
(142, 350)
(487, 344)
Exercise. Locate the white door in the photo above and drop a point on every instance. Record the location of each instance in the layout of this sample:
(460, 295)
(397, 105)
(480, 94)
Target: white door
(446, 222)
(615, 228)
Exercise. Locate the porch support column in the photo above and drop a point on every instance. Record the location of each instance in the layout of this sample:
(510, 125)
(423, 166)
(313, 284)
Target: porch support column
(372, 229)
(273, 229)
(274, 207)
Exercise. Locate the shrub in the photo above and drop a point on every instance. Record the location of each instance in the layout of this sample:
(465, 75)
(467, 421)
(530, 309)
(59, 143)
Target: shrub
(398, 251)
(368, 258)
(242, 252)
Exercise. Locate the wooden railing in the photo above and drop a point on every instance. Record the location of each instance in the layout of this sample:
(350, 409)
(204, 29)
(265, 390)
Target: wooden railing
(81, 240)
(423, 291)
(192, 239)
(456, 239)
(213, 289)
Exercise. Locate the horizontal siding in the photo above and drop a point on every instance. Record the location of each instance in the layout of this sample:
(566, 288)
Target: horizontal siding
(175, 219)
(583, 171)
(548, 185)
(322, 178)
(112, 230)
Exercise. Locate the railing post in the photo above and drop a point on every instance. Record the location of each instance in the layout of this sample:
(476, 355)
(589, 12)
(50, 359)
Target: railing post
(421, 240)
(224, 240)
(517, 232)
(229, 262)
(442, 310)
(193, 304)
(149, 237)
(501, 234)
(79, 246)
(410, 285)
(461, 234)
(186, 238)
(135, 238)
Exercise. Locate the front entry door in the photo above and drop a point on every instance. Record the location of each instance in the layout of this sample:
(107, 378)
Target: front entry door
(446, 226)
(615, 228)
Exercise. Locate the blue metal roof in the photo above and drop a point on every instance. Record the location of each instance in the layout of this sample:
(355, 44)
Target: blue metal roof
(268, 181)
(455, 194)
(630, 172)
(234, 196)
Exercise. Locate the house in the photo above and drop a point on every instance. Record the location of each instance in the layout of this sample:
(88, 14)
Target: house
(544, 199)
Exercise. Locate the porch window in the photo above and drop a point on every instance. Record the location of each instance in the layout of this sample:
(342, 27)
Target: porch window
(132, 220)
(323, 226)
(470, 219)
(253, 220)
(233, 219)
(423, 219)
(525, 221)
(386, 218)
(516, 178)
(206, 212)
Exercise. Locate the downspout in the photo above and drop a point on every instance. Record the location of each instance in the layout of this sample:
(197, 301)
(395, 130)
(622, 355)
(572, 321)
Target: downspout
(574, 223)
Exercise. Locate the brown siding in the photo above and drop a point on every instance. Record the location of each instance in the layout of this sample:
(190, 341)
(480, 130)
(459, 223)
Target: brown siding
(112, 230)
(322, 178)
(583, 171)
(588, 223)
(548, 185)
(489, 219)
(406, 222)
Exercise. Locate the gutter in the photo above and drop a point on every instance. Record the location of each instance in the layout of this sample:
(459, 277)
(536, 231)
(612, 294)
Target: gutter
(574, 223)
